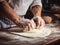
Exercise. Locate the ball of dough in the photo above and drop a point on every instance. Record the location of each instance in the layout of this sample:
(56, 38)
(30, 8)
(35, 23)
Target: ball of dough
(47, 19)
(57, 15)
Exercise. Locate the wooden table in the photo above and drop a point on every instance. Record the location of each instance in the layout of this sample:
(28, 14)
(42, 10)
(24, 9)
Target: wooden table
(7, 38)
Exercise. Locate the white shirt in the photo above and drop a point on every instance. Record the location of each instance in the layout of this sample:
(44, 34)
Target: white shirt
(21, 6)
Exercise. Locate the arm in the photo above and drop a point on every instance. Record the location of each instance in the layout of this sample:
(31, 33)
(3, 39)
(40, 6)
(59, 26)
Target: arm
(36, 10)
(36, 7)
(8, 12)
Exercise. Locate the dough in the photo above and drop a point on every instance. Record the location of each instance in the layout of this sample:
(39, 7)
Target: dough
(37, 33)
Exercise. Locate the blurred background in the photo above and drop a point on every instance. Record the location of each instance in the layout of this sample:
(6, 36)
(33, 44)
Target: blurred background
(51, 11)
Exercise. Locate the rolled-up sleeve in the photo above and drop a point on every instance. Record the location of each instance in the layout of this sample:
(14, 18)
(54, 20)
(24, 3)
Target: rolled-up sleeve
(36, 2)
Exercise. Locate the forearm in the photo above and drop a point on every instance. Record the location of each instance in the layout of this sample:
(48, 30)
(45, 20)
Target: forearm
(9, 12)
(36, 10)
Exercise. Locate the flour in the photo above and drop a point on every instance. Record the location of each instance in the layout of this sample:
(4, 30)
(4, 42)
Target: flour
(36, 33)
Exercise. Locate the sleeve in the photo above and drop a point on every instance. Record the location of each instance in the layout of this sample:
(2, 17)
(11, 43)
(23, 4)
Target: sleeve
(36, 2)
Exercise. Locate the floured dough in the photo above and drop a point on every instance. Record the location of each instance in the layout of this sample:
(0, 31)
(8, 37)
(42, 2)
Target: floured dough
(41, 32)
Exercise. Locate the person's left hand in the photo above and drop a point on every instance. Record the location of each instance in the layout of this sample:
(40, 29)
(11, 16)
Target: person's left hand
(38, 21)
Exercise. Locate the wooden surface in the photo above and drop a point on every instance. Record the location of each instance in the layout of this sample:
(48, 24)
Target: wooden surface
(7, 38)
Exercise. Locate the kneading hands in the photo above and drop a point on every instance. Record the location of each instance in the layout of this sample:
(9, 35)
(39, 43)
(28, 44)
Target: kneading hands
(37, 21)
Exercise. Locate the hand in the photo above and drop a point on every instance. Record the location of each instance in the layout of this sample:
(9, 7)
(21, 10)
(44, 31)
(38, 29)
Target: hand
(26, 24)
(38, 21)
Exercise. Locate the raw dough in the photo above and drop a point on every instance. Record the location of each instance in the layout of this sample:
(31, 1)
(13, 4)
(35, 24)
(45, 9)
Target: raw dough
(37, 33)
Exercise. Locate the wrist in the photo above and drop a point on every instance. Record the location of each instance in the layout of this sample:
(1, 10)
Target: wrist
(17, 21)
(37, 16)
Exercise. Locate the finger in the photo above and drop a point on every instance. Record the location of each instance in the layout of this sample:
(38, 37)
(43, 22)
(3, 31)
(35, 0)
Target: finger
(38, 24)
(29, 26)
(33, 25)
(42, 23)
(23, 25)
(25, 29)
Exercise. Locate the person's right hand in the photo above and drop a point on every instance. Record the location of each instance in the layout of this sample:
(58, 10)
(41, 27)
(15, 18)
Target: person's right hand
(38, 21)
